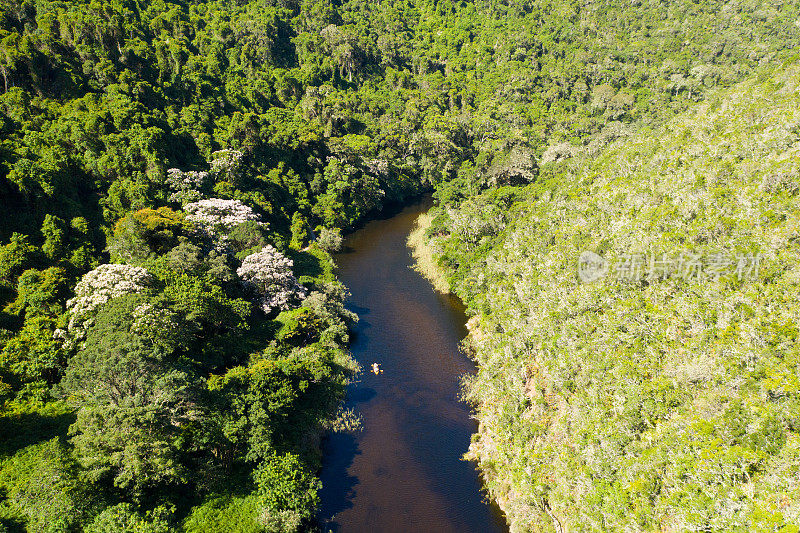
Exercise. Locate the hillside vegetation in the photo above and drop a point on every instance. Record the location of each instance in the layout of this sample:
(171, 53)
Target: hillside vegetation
(174, 174)
(664, 402)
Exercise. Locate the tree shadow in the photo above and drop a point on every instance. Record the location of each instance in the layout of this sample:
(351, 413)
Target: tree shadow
(12, 525)
(357, 309)
(306, 264)
(24, 429)
(338, 487)
(360, 395)
(235, 347)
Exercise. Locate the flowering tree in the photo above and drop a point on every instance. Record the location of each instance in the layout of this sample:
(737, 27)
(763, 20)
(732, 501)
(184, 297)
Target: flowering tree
(186, 186)
(98, 287)
(216, 214)
(269, 273)
(227, 165)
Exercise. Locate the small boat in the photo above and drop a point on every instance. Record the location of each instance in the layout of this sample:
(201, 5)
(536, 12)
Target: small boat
(376, 369)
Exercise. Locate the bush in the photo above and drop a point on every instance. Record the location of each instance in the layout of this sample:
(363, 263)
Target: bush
(124, 518)
(234, 514)
(286, 484)
(329, 239)
(42, 482)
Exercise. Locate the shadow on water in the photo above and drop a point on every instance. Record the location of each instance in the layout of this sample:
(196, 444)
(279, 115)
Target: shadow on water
(404, 471)
(338, 497)
(361, 311)
(360, 395)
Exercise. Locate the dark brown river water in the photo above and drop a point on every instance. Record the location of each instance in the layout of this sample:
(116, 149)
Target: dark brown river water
(404, 471)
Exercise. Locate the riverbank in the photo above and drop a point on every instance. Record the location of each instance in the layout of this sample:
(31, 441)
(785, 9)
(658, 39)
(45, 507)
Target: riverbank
(630, 404)
(423, 254)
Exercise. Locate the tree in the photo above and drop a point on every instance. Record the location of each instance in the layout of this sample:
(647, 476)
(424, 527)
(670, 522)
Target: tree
(53, 230)
(329, 239)
(187, 186)
(40, 292)
(228, 165)
(602, 95)
(516, 167)
(43, 483)
(268, 273)
(99, 286)
(34, 355)
(299, 230)
(131, 398)
(15, 256)
(147, 232)
(82, 255)
(217, 215)
(247, 238)
(289, 491)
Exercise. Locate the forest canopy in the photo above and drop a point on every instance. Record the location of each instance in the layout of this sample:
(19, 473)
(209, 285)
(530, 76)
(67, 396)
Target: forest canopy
(174, 174)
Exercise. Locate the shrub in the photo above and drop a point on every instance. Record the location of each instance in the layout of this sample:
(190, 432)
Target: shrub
(124, 518)
(42, 482)
(289, 491)
(330, 239)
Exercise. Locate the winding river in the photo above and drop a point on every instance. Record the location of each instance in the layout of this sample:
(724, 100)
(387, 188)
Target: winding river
(404, 471)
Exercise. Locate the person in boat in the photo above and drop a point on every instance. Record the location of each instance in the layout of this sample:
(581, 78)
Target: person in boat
(376, 369)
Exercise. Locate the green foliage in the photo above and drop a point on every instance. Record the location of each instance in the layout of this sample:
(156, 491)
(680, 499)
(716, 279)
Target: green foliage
(123, 518)
(237, 514)
(146, 232)
(203, 301)
(40, 293)
(271, 402)
(299, 327)
(652, 403)
(312, 115)
(300, 231)
(54, 237)
(329, 240)
(130, 398)
(286, 485)
(26, 423)
(247, 238)
(42, 483)
(15, 256)
(34, 355)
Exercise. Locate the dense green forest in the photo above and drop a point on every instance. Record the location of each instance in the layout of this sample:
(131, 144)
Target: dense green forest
(174, 175)
(663, 397)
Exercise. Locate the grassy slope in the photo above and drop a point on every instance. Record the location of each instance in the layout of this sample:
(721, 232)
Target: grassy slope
(668, 405)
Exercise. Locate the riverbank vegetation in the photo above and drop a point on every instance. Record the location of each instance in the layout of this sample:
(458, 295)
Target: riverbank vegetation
(658, 397)
(173, 174)
(425, 259)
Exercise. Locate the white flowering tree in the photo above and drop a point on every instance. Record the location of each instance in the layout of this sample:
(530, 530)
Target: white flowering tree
(98, 287)
(269, 273)
(227, 165)
(186, 186)
(216, 214)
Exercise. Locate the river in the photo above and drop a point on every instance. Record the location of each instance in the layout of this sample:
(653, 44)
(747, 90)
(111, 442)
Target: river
(404, 471)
